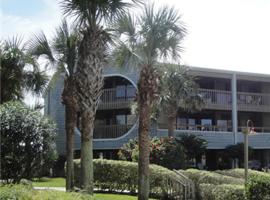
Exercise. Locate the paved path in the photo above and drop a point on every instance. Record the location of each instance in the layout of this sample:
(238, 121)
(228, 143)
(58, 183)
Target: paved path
(51, 188)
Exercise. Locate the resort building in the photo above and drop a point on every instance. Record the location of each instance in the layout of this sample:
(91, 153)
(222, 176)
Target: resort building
(231, 98)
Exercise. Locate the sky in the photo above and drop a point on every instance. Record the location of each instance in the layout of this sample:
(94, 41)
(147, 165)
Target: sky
(222, 34)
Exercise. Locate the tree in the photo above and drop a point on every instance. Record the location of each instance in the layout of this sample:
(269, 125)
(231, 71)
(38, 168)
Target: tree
(167, 152)
(143, 41)
(27, 142)
(62, 52)
(194, 146)
(19, 71)
(178, 90)
(91, 16)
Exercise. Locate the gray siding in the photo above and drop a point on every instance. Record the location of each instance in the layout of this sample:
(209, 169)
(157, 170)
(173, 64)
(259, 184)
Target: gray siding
(54, 108)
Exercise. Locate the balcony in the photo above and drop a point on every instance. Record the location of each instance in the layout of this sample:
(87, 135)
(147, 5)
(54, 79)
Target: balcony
(111, 131)
(222, 100)
(211, 128)
(117, 98)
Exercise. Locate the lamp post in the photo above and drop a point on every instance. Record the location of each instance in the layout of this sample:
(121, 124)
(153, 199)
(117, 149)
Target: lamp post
(249, 130)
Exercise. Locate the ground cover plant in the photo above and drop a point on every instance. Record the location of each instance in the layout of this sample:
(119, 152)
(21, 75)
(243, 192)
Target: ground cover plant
(28, 193)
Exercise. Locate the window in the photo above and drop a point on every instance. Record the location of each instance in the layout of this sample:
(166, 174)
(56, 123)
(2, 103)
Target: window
(206, 124)
(181, 123)
(120, 119)
(222, 125)
(191, 124)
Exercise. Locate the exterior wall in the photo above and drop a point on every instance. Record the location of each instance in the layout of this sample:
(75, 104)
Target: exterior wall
(216, 140)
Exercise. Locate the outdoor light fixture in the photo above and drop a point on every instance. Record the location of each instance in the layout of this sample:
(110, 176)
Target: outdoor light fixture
(249, 130)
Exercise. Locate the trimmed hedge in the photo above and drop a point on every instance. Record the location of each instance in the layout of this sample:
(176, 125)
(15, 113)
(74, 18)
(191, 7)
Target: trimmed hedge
(240, 173)
(258, 188)
(222, 192)
(122, 176)
(201, 176)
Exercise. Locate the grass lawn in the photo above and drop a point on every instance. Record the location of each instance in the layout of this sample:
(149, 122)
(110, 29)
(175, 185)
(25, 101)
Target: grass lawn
(49, 182)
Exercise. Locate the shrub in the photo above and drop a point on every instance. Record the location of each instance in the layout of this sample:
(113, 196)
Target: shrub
(27, 142)
(194, 146)
(222, 192)
(166, 152)
(258, 187)
(119, 176)
(240, 173)
(14, 192)
(201, 176)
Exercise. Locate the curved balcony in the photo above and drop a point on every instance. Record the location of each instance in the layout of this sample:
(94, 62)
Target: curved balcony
(113, 98)
(111, 131)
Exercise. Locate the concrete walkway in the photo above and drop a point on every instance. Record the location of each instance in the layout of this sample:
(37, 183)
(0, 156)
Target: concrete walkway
(51, 188)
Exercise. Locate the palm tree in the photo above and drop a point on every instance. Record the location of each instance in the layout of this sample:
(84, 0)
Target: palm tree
(178, 90)
(91, 16)
(144, 41)
(62, 52)
(19, 71)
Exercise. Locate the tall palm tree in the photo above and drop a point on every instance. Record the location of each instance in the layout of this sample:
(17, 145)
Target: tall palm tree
(144, 41)
(62, 52)
(19, 71)
(91, 16)
(178, 90)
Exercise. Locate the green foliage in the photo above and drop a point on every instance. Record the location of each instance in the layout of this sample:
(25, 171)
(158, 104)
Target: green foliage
(194, 146)
(240, 173)
(166, 152)
(49, 182)
(201, 176)
(179, 90)
(15, 192)
(19, 71)
(258, 188)
(27, 142)
(122, 175)
(222, 192)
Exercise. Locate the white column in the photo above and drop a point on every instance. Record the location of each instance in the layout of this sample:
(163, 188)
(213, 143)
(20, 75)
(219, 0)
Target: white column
(234, 107)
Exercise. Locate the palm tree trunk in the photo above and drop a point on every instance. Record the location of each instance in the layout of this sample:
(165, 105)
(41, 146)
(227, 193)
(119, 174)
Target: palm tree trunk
(171, 126)
(70, 102)
(87, 176)
(147, 89)
(70, 126)
(144, 150)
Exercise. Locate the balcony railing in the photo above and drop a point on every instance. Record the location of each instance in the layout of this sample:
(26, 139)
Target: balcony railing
(214, 128)
(110, 131)
(114, 98)
(216, 99)
(253, 101)
(222, 99)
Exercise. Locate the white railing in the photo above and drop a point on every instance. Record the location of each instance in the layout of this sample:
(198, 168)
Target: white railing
(214, 128)
(110, 131)
(222, 99)
(216, 98)
(254, 101)
(112, 98)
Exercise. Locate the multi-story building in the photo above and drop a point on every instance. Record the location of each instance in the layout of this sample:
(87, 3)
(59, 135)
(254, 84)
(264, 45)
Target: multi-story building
(231, 98)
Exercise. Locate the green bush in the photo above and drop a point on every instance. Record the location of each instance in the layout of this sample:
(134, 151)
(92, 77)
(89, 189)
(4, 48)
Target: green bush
(240, 173)
(20, 192)
(258, 187)
(166, 152)
(222, 192)
(201, 176)
(118, 176)
(27, 142)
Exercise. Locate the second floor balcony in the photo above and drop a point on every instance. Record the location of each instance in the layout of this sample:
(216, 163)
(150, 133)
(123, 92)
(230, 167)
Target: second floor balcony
(222, 100)
(117, 98)
(111, 131)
